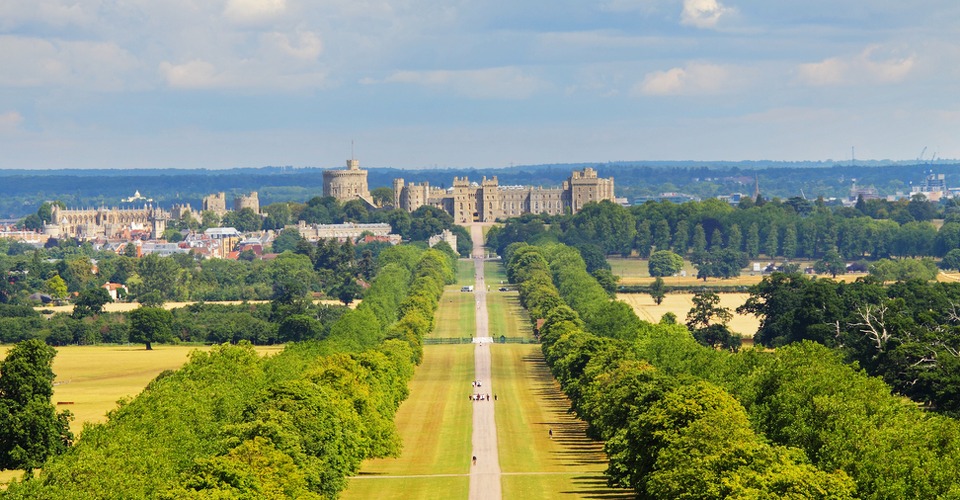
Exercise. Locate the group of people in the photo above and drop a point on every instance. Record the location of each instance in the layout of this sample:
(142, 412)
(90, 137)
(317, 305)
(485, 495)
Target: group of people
(476, 396)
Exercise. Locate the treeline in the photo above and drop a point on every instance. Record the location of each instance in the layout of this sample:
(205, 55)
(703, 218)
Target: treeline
(789, 229)
(681, 420)
(908, 332)
(331, 269)
(231, 424)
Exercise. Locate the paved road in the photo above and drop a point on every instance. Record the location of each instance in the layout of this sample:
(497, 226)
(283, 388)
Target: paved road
(485, 475)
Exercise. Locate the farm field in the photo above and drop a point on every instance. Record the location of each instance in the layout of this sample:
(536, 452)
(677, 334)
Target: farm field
(681, 303)
(634, 271)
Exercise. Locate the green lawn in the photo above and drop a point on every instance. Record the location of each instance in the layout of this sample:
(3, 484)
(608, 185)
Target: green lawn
(529, 405)
(435, 423)
(507, 317)
(457, 314)
(465, 272)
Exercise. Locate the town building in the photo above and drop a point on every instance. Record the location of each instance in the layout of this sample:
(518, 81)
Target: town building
(344, 231)
(933, 188)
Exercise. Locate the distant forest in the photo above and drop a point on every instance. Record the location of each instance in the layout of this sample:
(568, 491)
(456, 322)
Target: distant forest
(22, 191)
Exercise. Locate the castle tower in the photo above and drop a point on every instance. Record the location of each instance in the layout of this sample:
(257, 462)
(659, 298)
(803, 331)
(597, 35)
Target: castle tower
(348, 184)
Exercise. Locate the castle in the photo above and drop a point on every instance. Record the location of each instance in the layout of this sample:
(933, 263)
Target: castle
(488, 201)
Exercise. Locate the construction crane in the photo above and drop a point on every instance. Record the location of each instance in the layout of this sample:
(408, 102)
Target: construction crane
(920, 158)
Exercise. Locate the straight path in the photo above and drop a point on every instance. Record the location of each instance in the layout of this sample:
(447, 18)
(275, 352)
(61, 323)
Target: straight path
(485, 472)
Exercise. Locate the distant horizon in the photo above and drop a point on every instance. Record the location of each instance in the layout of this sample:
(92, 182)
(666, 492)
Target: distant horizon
(825, 163)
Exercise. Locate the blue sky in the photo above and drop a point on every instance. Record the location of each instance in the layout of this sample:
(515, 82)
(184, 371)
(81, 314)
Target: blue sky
(484, 83)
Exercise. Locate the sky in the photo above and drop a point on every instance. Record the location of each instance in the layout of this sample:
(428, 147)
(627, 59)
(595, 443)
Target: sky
(474, 83)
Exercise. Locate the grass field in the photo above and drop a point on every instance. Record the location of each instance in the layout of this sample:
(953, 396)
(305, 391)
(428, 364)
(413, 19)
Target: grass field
(530, 404)
(465, 272)
(507, 317)
(435, 423)
(457, 314)
(681, 303)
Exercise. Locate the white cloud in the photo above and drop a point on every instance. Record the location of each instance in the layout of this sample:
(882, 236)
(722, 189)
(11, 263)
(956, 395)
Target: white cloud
(702, 13)
(693, 79)
(862, 68)
(301, 45)
(196, 74)
(254, 11)
(10, 121)
(33, 62)
(489, 83)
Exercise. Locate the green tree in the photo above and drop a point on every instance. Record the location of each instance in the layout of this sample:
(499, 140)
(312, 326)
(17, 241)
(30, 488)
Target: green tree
(31, 431)
(658, 290)
(664, 263)
(951, 260)
(150, 324)
(90, 302)
(752, 242)
(699, 244)
(382, 196)
(661, 235)
(56, 287)
(832, 263)
(244, 220)
(772, 243)
(157, 274)
(735, 238)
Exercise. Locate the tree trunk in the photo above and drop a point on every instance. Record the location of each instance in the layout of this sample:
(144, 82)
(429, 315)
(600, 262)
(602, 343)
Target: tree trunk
(149, 347)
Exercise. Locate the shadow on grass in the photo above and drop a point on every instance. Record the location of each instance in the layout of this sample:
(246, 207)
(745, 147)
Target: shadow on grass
(595, 487)
(568, 430)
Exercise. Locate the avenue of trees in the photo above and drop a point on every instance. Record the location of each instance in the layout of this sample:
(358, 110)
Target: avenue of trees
(683, 420)
(232, 424)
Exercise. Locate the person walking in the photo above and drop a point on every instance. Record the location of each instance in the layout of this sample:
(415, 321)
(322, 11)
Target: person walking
(551, 433)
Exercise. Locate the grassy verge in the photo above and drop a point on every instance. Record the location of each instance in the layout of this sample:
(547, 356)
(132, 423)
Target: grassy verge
(530, 405)
(465, 272)
(435, 423)
(457, 314)
(507, 317)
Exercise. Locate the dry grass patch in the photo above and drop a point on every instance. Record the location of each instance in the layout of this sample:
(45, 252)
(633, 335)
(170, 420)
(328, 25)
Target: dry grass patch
(681, 303)
(91, 379)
